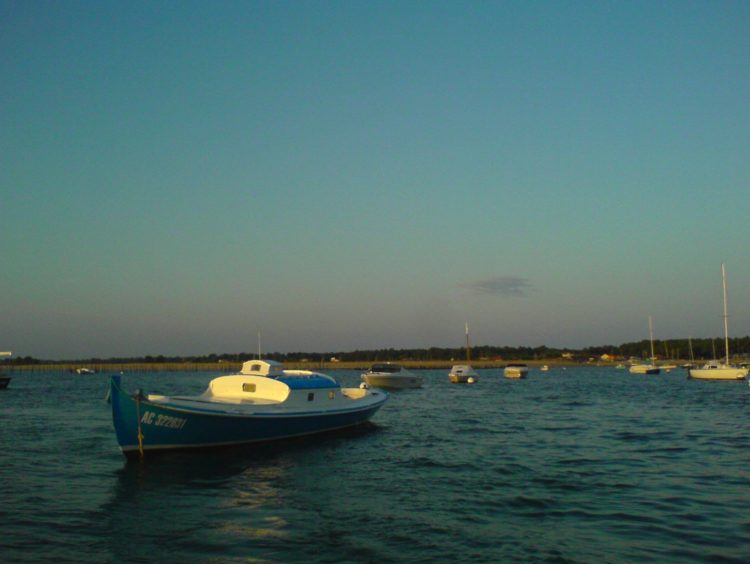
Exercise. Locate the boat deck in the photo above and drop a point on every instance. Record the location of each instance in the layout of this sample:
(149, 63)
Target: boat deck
(198, 401)
(352, 398)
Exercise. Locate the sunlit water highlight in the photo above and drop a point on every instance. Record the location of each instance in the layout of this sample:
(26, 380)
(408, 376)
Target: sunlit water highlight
(576, 465)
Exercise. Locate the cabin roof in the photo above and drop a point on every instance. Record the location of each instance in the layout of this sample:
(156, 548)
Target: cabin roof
(308, 381)
(262, 368)
(385, 367)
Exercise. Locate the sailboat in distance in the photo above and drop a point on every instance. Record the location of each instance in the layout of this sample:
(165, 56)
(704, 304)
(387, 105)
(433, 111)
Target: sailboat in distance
(464, 373)
(715, 370)
(647, 368)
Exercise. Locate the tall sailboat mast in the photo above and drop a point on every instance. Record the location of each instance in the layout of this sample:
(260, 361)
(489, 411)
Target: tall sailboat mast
(726, 323)
(468, 348)
(651, 338)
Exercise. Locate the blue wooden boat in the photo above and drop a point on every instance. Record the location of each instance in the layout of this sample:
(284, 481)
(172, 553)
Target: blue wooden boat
(261, 403)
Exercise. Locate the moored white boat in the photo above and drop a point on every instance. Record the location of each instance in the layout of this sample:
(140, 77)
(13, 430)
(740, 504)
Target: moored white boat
(261, 403)
(516, 371)
(644, 369)
(463, 374)
(389, 375)
(715, 370)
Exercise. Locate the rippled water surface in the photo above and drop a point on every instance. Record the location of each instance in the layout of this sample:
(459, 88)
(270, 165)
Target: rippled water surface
(576, 465)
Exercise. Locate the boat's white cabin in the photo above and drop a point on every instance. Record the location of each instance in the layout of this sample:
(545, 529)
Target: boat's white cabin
(269, 368)
(385, 368)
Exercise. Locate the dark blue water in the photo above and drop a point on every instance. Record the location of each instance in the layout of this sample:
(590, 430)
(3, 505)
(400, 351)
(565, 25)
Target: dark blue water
(581, 465)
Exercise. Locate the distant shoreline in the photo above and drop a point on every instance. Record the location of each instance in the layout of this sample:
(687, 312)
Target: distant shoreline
(104, 368)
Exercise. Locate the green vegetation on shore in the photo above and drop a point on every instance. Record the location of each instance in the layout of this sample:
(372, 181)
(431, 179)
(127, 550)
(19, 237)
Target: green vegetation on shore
(674, 350)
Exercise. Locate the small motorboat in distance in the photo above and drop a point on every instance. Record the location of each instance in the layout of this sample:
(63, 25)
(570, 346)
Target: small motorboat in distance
(463, 374)
(388, 375)
(516, 371)
(4, 378)
(261, 403)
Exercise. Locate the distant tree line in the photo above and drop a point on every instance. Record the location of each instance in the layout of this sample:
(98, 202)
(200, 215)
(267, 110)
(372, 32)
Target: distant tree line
(664, 349)
(678, 348)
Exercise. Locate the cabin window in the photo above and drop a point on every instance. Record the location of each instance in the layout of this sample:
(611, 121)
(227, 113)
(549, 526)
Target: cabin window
(255, 368)
(247, 387)
(310, 396)
(331, 394)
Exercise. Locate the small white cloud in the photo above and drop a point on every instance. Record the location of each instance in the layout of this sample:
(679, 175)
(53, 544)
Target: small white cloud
(512, 286)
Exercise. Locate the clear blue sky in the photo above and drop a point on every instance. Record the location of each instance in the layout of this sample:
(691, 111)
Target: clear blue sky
(177, 176)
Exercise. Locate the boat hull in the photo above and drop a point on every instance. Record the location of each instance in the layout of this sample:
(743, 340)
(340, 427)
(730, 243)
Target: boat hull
(392, 381)
(463, 374)
(643, 369)
(724, 373)
(515, 373)
(165, 427)
(4, 381)
(460, 378)
(463, 378)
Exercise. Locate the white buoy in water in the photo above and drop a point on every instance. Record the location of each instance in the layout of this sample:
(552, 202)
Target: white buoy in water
(470, 380)
(364, 386)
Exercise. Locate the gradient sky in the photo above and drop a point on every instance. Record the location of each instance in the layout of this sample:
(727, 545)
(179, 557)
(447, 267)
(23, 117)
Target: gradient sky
(177, 176)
